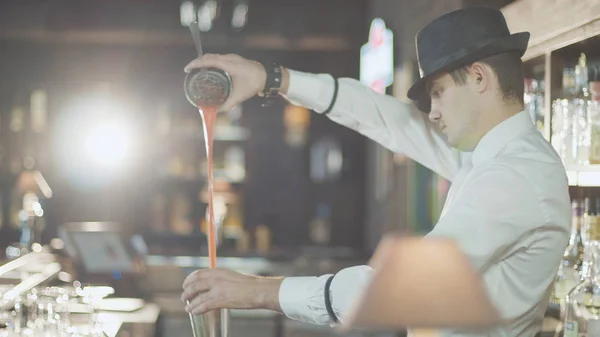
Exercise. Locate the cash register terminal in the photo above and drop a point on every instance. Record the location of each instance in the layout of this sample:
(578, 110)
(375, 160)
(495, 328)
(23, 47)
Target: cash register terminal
(104, 254)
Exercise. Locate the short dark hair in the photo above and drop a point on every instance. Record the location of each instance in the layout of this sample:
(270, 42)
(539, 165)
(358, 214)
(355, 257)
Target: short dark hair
(509, 70)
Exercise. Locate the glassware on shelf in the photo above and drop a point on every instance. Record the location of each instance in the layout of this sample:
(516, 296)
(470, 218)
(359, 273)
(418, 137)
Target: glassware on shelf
(582, 304)
(91, 296)
(568, 275)
(572, 118)
(595, 122)
(562, 127)
(6, 318)
(43, 312)
(582, 123)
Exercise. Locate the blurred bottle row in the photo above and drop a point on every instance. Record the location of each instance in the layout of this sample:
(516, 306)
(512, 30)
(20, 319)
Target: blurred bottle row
(534, 101)
(178, 206)
(179, 203)
(577, 282)
(575, 133)
(181, 155)
(575, 125)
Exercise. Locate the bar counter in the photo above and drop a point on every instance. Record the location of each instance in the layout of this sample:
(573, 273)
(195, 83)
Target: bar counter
(163, 314)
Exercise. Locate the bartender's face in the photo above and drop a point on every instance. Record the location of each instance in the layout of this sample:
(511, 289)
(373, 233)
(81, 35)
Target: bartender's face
(453, 110)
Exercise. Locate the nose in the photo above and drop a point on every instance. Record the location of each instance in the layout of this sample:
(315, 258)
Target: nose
(434, 115)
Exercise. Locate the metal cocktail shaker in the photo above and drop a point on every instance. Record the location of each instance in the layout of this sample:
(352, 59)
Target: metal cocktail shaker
(207, 87)
(214, 323)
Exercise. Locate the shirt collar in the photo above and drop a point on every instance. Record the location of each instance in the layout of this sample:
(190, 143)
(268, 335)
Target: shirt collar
(500, 135)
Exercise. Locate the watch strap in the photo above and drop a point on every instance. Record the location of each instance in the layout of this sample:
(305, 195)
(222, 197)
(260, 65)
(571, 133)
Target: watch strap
(273, 82)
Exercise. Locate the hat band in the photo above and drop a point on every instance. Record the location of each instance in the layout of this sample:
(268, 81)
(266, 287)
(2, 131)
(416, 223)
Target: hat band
(448, 60)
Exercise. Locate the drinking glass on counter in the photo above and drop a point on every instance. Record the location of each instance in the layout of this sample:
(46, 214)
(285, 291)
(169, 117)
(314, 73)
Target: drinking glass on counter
(47, 311)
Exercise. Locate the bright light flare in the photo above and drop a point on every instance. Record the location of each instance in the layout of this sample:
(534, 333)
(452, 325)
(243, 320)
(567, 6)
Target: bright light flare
(109, 144)
(96, 141)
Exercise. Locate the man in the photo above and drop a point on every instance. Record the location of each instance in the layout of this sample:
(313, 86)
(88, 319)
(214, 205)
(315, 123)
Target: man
(508, 207)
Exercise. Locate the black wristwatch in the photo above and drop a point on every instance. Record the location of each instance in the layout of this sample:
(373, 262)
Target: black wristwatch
(273, 82)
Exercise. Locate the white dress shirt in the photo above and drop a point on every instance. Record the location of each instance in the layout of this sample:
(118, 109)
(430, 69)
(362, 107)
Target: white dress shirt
(508, 207)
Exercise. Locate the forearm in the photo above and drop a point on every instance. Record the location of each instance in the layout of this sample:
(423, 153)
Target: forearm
(268, 293)
(302, 298)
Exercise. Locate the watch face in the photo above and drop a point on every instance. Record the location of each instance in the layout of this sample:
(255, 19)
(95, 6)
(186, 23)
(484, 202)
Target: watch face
(273, 81)
(207, 87)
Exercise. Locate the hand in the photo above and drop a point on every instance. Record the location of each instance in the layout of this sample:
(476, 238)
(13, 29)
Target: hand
(248, 77)
(209, 289)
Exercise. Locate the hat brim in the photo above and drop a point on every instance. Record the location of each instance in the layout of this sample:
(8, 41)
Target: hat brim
(514, 42)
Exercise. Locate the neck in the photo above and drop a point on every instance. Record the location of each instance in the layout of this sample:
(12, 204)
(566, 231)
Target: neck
(494, 114)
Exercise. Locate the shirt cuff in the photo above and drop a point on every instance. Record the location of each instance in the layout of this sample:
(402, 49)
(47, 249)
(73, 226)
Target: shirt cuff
(301, 299)
(313, 91)
(293, 295)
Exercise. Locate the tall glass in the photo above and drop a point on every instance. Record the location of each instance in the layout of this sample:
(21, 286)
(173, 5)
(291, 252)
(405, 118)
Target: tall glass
(214, 323)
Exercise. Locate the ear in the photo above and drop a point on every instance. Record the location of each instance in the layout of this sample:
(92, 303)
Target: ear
(480, 76)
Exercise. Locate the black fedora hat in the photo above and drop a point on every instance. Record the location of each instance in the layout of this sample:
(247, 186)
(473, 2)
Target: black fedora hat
(457, 39)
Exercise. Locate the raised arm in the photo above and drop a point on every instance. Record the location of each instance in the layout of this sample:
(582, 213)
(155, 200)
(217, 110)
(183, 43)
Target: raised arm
(382, 118)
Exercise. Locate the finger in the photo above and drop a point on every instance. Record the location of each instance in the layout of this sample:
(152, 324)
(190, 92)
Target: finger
(198, 275)
(202, 303)
(229, 104)
(232, 57)
(207, 306)
(194, 289)
(206, 60)
(193, 304)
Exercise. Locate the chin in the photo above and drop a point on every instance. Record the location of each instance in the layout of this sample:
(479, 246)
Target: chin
(461, 146)
(464, 147)
(452, 142)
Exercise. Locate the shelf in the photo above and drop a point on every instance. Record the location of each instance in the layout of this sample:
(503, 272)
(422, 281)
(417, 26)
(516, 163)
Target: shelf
(231, 133)
(222, 134)
(106, 36)
(194, 183)
(588, 175)
(577, 21)
(560, 30)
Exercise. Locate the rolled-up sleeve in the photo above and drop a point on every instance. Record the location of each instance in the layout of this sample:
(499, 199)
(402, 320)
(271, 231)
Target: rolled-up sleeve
(302, 298)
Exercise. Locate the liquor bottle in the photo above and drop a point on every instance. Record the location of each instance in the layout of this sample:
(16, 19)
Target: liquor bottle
(582, 314)
(581, 115)
(38, 111)
(588, 223)
(326, 160)
(595, 122)
(320, 225)
(263, 237)
(562, 119)
(539, 97)
(586, 218)
(569, 271)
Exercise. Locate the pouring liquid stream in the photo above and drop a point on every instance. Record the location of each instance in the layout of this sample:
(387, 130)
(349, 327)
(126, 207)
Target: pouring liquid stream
(207, 327)
(209, 115)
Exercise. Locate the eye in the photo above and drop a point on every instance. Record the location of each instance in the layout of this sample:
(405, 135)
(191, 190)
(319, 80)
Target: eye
(435, 93)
